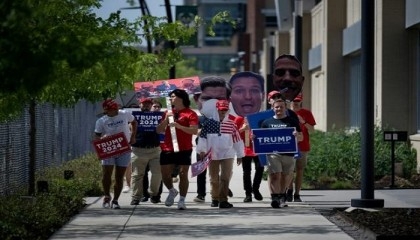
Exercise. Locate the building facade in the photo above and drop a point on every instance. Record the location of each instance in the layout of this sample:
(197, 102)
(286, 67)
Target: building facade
(331, 48)
(331, 56)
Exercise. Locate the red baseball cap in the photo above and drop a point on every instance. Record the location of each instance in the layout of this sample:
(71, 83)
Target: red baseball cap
(271, 94)
(146, 100)
(110, 104)
(298, 98)
(222, 105)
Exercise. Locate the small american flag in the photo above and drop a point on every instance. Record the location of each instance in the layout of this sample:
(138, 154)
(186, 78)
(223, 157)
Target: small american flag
(210, 126)
(227, 127)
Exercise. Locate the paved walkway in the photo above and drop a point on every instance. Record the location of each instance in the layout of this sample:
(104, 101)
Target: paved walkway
(256, 220)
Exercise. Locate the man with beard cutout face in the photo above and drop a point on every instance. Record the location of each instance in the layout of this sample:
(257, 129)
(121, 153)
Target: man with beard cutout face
(288, 75)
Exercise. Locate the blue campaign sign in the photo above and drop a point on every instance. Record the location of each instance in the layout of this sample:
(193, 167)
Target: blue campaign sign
(255, 119)
(147, 121)
(274, 140)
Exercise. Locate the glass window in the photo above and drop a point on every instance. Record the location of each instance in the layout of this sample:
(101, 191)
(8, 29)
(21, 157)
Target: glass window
(355, 91)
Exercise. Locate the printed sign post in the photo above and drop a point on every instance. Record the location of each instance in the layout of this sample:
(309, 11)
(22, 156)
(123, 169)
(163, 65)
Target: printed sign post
(274, 140)
(111, 146)
(172, 128)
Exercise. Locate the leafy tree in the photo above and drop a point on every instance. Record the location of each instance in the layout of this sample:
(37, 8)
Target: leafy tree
(59, 51)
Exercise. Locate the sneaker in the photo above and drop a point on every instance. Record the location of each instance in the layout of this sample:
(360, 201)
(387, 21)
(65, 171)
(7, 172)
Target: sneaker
(283, 201)
(144, 199)
(126, 189)
(115, 205)
(275, 202)
(175, 179)
(199, 198)
(230, 193)
(257, 195)
(214, 203)
(181, 205)
(106, 203)
(171, 197)
(296, 198)
(289, 195)
(225, 204)
(135, 202)
(248, 198)
(155, 199)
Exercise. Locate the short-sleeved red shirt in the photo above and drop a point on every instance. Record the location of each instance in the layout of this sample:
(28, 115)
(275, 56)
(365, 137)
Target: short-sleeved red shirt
(304, 145)
(186, 117)
(249, 150)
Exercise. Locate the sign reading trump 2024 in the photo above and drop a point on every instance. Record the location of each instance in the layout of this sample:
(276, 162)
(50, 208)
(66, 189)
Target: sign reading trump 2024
(274, 140)
(147, 121)
(111, 146)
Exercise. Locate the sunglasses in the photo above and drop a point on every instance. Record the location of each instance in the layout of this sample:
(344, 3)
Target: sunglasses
(280, 72)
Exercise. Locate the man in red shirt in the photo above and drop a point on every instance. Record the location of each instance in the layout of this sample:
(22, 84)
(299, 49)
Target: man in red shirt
(307, 123)
(186, 125)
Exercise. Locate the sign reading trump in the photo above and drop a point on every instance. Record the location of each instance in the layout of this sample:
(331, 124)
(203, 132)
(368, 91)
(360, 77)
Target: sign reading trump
(274, 140)
(147, 121)
(111, 146)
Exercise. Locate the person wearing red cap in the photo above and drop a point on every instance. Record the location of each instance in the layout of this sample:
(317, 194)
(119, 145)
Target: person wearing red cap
(307, 123)
(145, 153)
(115, 121)
(211, 87)
(220, 134)
(156, 107)
(271, 96)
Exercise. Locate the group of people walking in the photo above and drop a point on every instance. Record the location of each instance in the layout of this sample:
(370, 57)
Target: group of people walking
(222, 129)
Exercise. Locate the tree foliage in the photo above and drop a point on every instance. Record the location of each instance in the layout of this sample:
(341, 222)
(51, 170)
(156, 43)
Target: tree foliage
(59, 51)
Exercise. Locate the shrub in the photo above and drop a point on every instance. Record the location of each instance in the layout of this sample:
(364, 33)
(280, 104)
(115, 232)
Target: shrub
(337, 154)
(38, 217)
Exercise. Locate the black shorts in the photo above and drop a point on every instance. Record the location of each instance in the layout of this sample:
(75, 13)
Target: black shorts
(177, 158)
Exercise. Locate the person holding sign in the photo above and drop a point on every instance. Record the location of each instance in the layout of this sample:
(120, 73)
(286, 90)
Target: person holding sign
(113, 122)
(186, 125)
(280, 165)
(212, 87)
(146, 153)
(221, 135)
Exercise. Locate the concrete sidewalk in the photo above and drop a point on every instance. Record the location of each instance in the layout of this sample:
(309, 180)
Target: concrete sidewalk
(256, 220)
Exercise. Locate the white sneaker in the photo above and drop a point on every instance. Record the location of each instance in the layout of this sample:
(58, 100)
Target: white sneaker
(181, 205)
(171, 197)
(126, 189)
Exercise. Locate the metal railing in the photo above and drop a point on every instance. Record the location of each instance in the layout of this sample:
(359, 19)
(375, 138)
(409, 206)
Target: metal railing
(62, 134)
